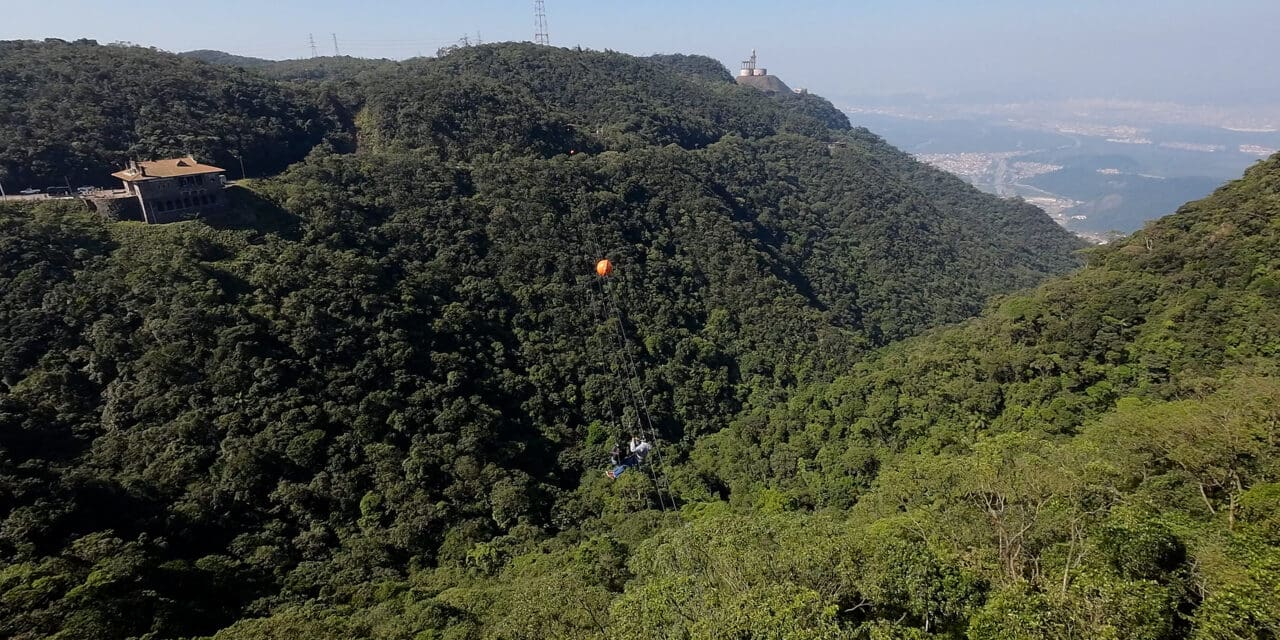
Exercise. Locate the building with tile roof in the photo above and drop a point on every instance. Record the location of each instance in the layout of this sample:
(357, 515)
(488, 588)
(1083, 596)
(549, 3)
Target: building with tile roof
(174, 189)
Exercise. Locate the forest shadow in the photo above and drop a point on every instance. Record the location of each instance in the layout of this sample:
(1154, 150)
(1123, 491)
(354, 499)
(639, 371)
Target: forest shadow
(246, 210)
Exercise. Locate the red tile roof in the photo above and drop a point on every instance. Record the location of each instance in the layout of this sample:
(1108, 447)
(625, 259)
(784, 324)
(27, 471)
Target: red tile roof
(170, 168)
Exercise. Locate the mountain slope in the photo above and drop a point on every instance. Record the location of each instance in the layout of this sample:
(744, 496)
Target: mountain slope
(864, 224)
(1156, 316)
(1099, 456)
(226, 59)
(398, 360)
(75, 112)
(977, 482)
(610, 101)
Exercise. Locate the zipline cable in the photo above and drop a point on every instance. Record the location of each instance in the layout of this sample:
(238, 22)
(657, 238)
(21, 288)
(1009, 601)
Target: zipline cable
(644, 423)
(636, 387)
(602, 306)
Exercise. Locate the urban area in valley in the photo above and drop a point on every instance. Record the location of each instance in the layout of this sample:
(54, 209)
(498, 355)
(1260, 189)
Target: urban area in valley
(1100, 168)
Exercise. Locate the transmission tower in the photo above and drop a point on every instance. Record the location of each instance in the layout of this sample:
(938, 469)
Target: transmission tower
(335, 45)
(312, 39)
(540, 23)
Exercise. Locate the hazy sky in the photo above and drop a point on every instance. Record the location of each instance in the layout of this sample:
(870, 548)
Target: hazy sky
(1222, 52)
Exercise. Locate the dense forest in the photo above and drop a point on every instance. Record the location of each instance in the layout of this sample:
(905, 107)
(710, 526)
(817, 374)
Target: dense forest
(375, 399)
(76, 112)
(227, 59)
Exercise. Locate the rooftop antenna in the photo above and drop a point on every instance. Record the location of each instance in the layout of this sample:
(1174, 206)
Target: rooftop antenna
(312, 39)
(540, 22)
(335, 45)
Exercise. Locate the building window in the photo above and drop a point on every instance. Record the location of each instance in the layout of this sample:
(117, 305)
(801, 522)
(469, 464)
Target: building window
(186, 202)
(200, 180)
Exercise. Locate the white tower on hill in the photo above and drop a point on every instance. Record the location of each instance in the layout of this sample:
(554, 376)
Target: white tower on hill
(749, 67)
(754, 75)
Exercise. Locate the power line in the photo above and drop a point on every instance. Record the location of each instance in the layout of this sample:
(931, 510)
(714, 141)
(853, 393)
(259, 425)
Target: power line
(395, 40)
(371, 46)
(540, 23)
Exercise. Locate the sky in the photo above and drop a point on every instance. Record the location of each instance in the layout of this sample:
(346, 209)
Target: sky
(1201, 52)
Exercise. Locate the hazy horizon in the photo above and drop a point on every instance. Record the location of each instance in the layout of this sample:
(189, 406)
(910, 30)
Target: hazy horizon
(1176, 50)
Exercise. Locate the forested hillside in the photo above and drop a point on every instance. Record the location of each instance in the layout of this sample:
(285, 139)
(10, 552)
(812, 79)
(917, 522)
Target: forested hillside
(226, 59)
(74, 112)
(1098, 458)
(376, 397)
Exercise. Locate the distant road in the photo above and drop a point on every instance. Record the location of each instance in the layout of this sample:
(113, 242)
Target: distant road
(35, 196)
(102, 193)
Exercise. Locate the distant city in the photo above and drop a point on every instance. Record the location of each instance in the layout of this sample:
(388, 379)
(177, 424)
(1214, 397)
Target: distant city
(1100, 168)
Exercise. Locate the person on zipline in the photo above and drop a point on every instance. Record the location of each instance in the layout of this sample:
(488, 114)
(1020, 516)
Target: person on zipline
(639, 450)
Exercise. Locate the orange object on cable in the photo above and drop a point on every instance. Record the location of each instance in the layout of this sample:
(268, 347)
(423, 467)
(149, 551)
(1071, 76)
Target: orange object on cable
(604, 268)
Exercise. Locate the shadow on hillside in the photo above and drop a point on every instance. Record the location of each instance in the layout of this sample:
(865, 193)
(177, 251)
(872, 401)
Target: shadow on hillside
(248, 210)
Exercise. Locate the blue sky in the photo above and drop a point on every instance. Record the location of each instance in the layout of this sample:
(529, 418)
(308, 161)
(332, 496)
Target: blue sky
(1193, 51)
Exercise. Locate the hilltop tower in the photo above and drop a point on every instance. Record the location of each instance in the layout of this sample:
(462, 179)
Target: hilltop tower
(540, 35)
(750, 68)
(754, 75)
